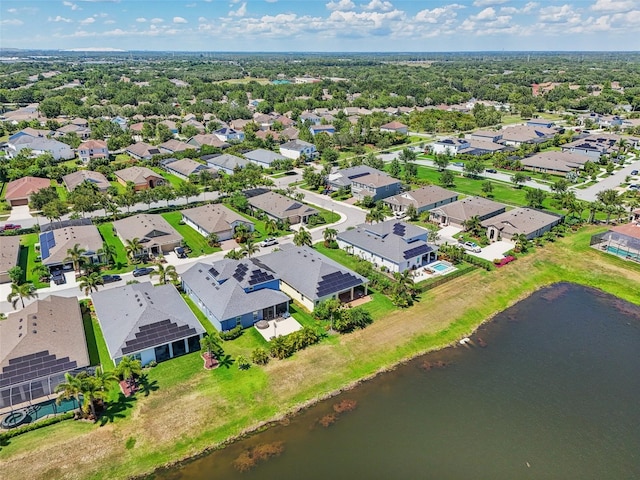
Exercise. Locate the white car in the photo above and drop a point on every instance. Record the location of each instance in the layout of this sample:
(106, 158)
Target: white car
(472, 247)
(267, 242)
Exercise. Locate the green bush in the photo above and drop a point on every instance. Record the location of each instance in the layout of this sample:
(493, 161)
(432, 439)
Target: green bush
(36, 425)
(260, 356)
(232, 334)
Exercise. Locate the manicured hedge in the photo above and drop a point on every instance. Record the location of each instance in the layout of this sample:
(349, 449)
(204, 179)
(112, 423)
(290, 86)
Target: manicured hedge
(34, 426)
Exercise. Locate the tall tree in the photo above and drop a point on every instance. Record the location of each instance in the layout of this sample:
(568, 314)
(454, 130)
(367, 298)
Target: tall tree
(76, 256)
(20, 292)
(89, 283)
(165, 274)
(302, 237)
(133, 247)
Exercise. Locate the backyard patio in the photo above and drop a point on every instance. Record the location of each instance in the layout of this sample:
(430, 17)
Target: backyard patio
(277, 327)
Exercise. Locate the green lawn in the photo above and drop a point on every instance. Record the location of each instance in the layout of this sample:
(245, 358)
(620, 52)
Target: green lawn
(122, 261)
(172, 179)
(97, 347)
(196, 242)
(27, 259)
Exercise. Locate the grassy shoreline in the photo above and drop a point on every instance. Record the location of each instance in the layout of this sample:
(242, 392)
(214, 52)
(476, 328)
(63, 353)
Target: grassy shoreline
(204, 410)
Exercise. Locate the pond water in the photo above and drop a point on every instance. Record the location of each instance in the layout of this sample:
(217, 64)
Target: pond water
(549, 389)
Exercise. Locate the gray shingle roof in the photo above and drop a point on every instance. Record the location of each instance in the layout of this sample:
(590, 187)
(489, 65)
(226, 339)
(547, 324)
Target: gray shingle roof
(280, 206)
(470, 207)
(9, 251)
(74, 179)
(150, 229)
(122, 311)
(87, 236)
(214, 218)
(226, 161)
(423, 196)
(521, 221)
(263, 156)
(186, 166)
(343, 177)
(310, 273)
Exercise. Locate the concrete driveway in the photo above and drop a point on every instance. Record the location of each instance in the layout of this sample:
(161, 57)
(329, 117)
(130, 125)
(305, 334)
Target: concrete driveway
(494, 250)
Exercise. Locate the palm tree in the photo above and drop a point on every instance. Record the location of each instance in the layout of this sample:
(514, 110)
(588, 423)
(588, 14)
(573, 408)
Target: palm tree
(249, 248)
(70, 388)
(235, 254)
(103, 379)
(522, 242)
(90, 282)
(213, 240)
(403, 288)
(133, 247)
(109, 251)
(271, 227)
(302, 237)
(473, 225)
(76, 256)
(41, 271)
(240, 233)
(329, 235)
(20, 292)
(165, 273)
(375, 215)
(128, 368)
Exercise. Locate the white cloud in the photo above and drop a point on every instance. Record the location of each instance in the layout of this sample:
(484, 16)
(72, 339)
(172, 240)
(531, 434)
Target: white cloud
(58, 18)
(87, 21)
(72, 6)
(179, 20)
(156, 20)
(488, 13)
(141, 20)
(12, 10)
(614, 5)
(488, 3)
(109, 22)
(377, 5)
(527, 8)
(202, 19)
(240, 12)
(341, 5)
(439, 15)
(560, 14)
(13, 22)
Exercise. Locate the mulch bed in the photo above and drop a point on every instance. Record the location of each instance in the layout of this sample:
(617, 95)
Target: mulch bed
(128, 388)
(210, 361)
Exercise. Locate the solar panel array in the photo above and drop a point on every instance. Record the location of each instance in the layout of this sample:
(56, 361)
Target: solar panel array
(414, 252)
(336, 282)
(261, 265)
(399, 229)
(241, 271)
(214, 272)
(259, 276)
(35, 365)
(157, 333)
(47, 242)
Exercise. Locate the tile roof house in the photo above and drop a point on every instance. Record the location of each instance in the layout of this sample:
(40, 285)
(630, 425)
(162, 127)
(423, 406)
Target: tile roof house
(225, 162)
(74, 179)
(9, 255)
(148, 323)
(282, 208)
(393, 245)
(93, 149)
(184, 167)
(394, 127)
(142, 151)
(235, 292)
(172, 146)
(155, 234)
(375, 185)
(295, 149)
(208, 139)
(423, 199)
(38, 345)
(82, 132)
(456, 213)
(57, 238)
(18, 192)
(315, 278)
(516, 136)
(141, 177)
(263, 157)
(215, 218)
(555, 162)
(520, 221)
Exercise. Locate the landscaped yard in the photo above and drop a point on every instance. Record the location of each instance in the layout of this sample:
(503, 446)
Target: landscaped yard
(27, 259)
(172, 179)
(196, 242)
(108, 235)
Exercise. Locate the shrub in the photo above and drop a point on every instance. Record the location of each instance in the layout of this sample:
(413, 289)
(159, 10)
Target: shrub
(260, 356)
(243, 363)
(34, 426)
(232, 334)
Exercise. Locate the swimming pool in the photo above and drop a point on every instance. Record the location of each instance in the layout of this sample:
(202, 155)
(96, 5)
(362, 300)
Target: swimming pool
(39, 411)
(440, 266)
(623, 253)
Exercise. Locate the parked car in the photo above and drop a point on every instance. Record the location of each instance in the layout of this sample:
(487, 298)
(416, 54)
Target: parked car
(458, 164)
(472, 247)
(139, 272)
(491, 170)
(267, 242)
(11, 226)
(180, 252)
(634, 186)
(111, 278)
(58, 278)
(634, 172)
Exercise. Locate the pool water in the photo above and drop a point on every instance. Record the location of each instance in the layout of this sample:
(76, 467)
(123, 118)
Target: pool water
(439, 267)
(623, 253)
(44, 409)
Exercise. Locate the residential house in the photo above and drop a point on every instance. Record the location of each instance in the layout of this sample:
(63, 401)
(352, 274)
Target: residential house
(147, 323)
(295, 149)
(540, 122)
(199, 126)
(185, 167)
(262, 157)
(9, 255)
(28, 113)
(225, 162)
(520, 134)
(38, 346)
(81, 131)
(174, 146)
(621, 240)
(290, 133)
(264, 121)
(171, 125)
(235, 292)
(72, 180)
(328, 129)
(311, 118)
(154, 232)
(227, 134)
(315, 277)
(458, 212)
(142, 151)
(38, 143)
(121, 122)
(18, 192)
(479, 147)
(215, 218)
(343, 177)
(555, 162)
(492, 136)
(375, 185)
(520, 221)
(141, 177)
(395, 127)
(282, 208)
(208, 139)
(57, 238)
(450, 146)
(239, 123)
(93, 149)
(423, 199)
(391, 245)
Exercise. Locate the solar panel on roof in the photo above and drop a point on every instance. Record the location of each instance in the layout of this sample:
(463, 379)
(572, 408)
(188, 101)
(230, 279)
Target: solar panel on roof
(47, 242)
(32, 366)
(399, 229)
(414, 252)
(335, 282)
(157, 333)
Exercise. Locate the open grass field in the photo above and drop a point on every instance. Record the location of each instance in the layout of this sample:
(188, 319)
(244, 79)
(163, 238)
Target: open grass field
(189, 409)
(195, 241)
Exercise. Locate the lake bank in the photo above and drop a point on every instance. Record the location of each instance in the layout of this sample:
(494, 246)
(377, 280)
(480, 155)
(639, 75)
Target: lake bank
(193, 410)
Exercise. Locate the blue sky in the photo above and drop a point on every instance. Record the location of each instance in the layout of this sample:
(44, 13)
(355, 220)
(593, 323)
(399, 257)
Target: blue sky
(321, 25)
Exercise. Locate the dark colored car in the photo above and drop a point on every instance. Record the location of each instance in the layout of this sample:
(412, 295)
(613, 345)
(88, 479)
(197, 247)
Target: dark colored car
(634, 172)
(180, 252)
(12, 226)
(491, 170)
(58, 278)
(111, 278)
(138, 272)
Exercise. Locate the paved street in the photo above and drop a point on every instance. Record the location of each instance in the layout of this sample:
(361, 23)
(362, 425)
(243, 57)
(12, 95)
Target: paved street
(612, 181)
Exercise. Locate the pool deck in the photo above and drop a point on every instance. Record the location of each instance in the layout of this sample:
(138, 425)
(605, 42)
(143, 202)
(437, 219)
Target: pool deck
(279, 327)
(426, 272)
